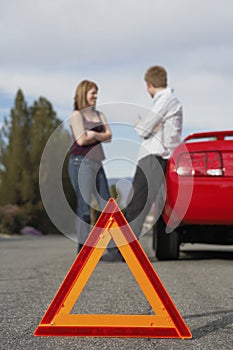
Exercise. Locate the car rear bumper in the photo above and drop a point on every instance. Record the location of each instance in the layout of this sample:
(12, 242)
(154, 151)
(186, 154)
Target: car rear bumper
(201, 202)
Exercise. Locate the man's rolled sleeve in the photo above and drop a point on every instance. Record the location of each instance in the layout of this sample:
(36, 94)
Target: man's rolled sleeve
(145, 127)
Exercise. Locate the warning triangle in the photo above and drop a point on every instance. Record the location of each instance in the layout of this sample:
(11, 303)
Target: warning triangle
(58, 319)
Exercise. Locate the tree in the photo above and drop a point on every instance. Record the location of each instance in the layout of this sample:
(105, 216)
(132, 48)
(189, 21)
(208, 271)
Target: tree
(14, 152)
(22, 141)
(115, 193)
(43, 122)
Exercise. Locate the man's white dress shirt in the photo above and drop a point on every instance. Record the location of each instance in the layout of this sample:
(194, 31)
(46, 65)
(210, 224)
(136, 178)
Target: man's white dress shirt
(162, 127)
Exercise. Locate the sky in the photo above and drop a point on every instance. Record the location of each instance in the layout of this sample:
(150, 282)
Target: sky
(48, 47)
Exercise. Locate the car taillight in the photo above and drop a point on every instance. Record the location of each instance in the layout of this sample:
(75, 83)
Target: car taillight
(200, 164)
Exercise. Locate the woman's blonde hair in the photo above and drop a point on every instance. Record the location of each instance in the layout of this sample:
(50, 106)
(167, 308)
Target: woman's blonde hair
(80, 98)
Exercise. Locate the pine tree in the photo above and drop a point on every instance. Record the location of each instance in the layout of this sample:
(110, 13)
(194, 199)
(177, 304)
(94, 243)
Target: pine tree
(14, 152)
(43, 122)
(22, 141)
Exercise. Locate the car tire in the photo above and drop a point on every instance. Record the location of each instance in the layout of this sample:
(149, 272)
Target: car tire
(166, 245)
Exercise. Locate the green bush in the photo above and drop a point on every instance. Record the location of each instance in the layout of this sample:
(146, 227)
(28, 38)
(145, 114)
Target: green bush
(12, 219)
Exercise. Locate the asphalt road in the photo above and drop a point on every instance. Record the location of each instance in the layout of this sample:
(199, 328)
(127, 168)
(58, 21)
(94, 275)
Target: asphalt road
(32, 269)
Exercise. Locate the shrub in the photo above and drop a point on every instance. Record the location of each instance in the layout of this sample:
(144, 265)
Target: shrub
(12, 219)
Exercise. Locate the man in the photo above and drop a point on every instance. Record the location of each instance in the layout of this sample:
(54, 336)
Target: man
(160, 132)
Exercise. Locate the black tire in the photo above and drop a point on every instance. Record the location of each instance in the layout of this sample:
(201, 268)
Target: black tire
(166, 245)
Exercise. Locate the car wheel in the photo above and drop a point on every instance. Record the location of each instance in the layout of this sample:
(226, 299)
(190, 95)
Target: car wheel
(166, 245)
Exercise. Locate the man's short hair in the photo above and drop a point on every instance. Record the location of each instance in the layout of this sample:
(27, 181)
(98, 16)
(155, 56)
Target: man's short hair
(157, 76)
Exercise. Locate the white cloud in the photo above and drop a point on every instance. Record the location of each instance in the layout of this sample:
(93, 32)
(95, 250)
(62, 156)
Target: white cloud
(78, 32)
(47, 48)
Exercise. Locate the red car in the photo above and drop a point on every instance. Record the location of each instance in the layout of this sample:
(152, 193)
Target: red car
(199, 197)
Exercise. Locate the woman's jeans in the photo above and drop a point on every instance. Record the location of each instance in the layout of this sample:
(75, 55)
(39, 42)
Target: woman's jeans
(88, 178)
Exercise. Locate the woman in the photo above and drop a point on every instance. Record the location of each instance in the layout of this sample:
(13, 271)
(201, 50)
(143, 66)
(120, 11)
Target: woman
(89, 128)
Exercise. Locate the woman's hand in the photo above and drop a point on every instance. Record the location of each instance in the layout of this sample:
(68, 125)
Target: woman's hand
(91, 134)
(103, 136)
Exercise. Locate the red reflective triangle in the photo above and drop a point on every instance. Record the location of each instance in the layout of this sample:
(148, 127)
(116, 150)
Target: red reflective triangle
(167, 321)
